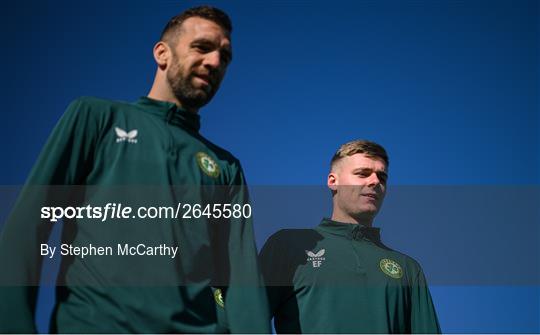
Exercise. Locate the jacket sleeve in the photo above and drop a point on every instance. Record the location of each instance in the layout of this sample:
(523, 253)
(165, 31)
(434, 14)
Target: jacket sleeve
(277, 275)
(65, 160)
(423, 315)
(246, 305)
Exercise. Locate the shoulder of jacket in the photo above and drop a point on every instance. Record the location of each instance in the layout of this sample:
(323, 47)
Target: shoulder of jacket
(292, 236)
(100, 103)
(221, 153)
(410, 263)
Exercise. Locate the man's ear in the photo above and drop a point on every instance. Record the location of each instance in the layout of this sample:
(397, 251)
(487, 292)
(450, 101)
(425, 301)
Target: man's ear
(332, 181)
(161, 54)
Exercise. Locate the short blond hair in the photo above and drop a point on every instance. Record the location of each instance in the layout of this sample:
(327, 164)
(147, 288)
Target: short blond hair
(368, 148)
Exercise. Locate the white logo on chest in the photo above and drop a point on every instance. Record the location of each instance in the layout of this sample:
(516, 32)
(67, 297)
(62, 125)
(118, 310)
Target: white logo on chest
(122, 135)
(317, 258)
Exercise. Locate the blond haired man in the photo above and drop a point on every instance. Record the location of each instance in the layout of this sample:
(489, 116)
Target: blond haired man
(339, 277)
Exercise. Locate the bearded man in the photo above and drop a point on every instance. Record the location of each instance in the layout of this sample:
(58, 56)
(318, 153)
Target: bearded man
(205, 286)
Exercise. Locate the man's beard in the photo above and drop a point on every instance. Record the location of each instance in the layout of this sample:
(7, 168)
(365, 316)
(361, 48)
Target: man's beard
(182, 88)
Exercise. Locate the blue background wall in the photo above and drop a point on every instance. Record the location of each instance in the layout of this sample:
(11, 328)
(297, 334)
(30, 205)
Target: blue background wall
(450, 88)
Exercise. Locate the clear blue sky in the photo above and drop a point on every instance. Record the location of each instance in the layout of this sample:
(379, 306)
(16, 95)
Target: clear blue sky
(450, 88)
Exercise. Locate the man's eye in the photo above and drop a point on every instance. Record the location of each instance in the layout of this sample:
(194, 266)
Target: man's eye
(225, 58)
(203, 48)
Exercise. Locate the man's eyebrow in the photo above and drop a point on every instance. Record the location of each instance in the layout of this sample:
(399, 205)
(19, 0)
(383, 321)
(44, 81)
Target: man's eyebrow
(203, 40)
(360, 169)
(364, 169)
(207, 40)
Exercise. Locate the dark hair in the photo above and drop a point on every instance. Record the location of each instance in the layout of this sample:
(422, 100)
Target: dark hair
(370, 149)
(206, 12)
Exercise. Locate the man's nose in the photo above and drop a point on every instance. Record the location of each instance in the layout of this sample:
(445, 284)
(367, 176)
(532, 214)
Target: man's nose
(373, 179)
(212, 59)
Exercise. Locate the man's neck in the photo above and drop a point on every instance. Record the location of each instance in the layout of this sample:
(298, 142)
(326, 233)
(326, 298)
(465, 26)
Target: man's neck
(341, 217)
(165, 95)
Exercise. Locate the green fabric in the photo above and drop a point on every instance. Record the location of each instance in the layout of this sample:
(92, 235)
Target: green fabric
(85, 149)
(343, 288)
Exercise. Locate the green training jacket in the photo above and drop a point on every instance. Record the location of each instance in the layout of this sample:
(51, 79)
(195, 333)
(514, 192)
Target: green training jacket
(340, 278)
(142, 149)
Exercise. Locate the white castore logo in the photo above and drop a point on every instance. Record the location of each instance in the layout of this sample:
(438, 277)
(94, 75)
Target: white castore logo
(317, 258)
(123, 135)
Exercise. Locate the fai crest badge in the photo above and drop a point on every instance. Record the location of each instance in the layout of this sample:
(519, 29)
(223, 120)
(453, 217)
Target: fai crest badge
(207, 164)
(391, 268)
(218, 296)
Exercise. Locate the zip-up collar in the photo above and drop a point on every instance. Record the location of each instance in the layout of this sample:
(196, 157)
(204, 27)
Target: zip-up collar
(350, 231)
(171, 113)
